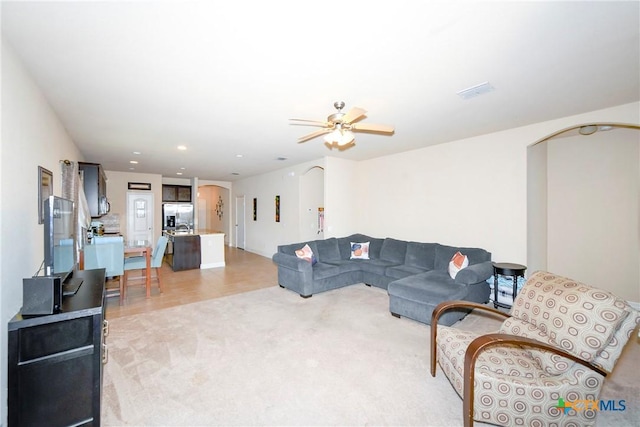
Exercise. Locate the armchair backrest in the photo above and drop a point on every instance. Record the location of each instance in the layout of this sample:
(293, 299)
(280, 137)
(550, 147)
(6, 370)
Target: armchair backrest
(158, 252)
(587, 322)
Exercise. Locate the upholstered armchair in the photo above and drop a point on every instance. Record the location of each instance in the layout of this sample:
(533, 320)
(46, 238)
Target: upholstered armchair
(547, 362)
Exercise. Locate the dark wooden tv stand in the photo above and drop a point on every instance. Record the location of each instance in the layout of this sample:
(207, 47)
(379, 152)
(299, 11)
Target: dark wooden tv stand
(55, 360)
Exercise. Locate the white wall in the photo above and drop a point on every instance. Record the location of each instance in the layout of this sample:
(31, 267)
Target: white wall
(593, 210)
(341, 189)
(117, 189)
(471, 192)
(311, 198)
(465, 193)
(264, 235)
(537, 228)
(32, 136)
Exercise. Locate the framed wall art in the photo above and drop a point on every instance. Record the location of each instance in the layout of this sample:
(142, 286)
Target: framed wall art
(255, 209)
(45, 189)
(277, 208)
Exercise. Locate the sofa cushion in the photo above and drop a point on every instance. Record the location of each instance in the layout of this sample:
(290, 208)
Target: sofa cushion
(420, 255)
(401, 271)
(444, 254)
(306, 254)
(433, 286)
(344, 244)
(393, 250)
(376, 266)
(323, 270)
(327, 250)
(457, 263)
(359, 250)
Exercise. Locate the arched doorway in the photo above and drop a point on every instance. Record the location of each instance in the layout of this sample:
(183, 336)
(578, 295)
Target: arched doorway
(214, 210)
(583, 205)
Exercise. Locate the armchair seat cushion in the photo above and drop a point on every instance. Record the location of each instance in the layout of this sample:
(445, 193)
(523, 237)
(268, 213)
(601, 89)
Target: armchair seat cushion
(512, 361)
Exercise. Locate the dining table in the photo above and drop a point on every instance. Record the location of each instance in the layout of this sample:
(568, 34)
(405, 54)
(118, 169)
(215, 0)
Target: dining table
(141, 248)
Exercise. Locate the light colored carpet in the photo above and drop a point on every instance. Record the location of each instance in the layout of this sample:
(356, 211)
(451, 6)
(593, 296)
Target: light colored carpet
(269, 357)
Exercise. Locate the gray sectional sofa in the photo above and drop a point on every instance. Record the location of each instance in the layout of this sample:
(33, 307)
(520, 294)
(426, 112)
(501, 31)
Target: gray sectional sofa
(414, 274)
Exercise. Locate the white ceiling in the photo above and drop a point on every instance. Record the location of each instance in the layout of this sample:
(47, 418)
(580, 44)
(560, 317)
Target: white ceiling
(224, 77)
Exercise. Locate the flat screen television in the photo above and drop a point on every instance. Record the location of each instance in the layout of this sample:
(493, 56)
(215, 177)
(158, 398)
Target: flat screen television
(59, 237)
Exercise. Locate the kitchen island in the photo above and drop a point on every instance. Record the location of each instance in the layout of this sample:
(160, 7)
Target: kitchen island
(199, 248)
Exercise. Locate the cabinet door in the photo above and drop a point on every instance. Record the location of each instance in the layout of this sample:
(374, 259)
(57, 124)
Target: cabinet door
(184, 194)
(169, 193)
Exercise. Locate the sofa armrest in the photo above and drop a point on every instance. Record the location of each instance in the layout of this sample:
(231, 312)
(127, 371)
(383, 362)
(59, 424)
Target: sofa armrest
(474, 273)
(292, 262)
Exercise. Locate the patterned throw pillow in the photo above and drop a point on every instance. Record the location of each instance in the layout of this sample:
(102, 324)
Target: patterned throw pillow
(457, 263)
(360, 250)
(306, 254)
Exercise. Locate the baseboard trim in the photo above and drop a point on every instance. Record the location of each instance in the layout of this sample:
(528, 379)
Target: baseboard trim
(213, 265)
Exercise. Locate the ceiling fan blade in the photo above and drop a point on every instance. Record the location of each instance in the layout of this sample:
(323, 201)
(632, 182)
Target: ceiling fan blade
(313, 135)
(369, 127)
(353, 114)
(308, 121)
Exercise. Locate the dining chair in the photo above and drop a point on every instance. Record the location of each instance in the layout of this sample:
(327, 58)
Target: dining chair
(140, 263)
(108, 255)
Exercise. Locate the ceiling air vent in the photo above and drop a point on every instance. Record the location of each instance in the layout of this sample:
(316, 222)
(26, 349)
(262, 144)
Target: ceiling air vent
(476, 90)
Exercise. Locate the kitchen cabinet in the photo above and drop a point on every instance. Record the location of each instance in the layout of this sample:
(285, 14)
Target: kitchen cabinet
(95, 188)
(176, 193)
(55, 361)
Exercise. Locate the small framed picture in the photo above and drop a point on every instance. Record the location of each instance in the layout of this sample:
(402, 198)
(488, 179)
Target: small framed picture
(277, 208)
(45, 189)
(255, 209)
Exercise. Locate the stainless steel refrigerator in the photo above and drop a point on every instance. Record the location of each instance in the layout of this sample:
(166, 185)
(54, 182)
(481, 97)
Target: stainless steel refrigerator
(177, 214)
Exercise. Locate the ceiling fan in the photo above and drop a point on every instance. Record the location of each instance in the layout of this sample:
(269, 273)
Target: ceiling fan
(339, 127)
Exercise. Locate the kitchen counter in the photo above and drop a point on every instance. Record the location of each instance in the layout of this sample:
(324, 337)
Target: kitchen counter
(199, 248)
(197, 231)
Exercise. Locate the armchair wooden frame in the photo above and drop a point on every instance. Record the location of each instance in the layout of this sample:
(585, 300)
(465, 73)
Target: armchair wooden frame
(484, 342)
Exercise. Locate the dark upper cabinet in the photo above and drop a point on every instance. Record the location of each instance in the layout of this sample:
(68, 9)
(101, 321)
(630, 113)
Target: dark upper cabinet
(95, 188)
(176, 193)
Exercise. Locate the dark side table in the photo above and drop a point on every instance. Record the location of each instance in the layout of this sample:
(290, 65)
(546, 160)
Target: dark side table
(506, 269)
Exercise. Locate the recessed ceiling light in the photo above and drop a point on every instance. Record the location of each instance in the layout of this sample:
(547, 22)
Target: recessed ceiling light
(133, 162)
(239, 156)
(137, 153)
(182, 147)
(182, 169)
(281, 158)
(132, 169)
(235, 173)
(178, 173)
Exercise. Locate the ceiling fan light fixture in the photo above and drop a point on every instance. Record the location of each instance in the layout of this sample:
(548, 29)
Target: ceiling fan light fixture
(340, 137)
